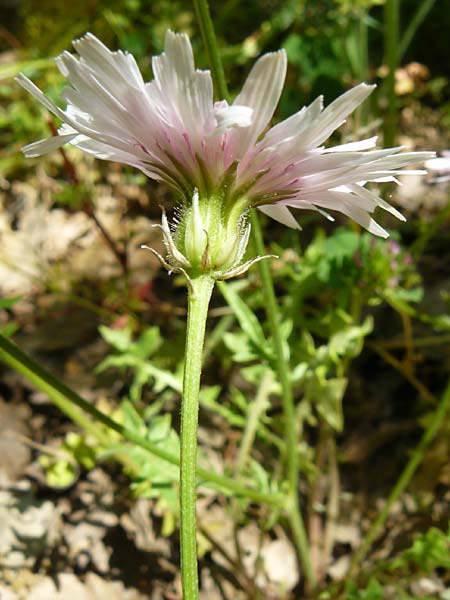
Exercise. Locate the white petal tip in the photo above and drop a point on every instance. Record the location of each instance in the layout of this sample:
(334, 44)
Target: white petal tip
(377, 230)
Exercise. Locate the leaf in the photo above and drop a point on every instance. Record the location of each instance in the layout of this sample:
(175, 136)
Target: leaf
(119, 361)
(6, 303)
(374, 591)
(241, 347)
(349, 341)
(247, 319)
(9, 329)
(412, 295)
(59, 473)
(208, 400)
(430, 551)
(120, 339)
(160, 428)
(210, 394)
(132, 419)
(326, 396)
(148, 343)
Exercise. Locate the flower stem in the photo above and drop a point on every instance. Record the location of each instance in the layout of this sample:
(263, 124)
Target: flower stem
(209, 40)
(295, 517)
(428, 436)
(199, 297)
(273, 316)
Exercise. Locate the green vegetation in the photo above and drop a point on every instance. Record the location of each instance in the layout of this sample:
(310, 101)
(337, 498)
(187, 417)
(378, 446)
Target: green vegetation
(324, 421)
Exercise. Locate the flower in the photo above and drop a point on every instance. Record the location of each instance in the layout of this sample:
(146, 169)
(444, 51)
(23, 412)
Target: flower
(173, 131)
(439, 168)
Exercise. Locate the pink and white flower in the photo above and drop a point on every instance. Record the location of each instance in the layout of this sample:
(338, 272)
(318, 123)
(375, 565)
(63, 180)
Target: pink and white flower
(172, 130)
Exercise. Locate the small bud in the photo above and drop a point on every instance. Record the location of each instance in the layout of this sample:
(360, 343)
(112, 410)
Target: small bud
(195, 234)
(205, 242)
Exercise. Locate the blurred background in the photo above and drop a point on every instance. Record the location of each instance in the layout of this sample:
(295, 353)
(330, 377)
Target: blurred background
(79, 295)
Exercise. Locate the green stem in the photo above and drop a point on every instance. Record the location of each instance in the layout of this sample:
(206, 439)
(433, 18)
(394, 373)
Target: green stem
(256, 410)
(209, 40)
(47, 383)
(199, 296)
(420, 15)
(429, 230)
(416, 458)
(76, 408)
(362, 35)
(273, 316)
(216, 335)
(391, 35)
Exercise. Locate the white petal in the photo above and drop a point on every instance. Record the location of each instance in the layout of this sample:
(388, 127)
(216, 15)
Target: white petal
(176, 62)
(345, 204)
(108, 66)
(184, 94)
(48, 145)
(36, 92)
(354, 146)
(66, 116)
(281, 214)
(291, 128)
(262, 91)
(335, 114)
(228, 117)
(103, 151)
(438, 165)
(370, 196)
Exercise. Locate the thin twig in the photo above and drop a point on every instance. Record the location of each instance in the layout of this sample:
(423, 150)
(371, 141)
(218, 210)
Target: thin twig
(333, 501)
(88, 209)
(315, 525)
(256, 410)
(431, 340)
(415, 460)
(408, 336)
(400, 367)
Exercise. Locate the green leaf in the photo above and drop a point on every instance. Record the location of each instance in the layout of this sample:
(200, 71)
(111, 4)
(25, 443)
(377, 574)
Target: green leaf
(132, 419)
(326, 395)
(373, 591)
(6, 303)
(349, 341)
(430, 551)
(208, 400)
(241, 347)
(160, 428)
(9, 329)
(148, 343)
(247, 319)
(120, 339)
(59, 473)
(412, 295)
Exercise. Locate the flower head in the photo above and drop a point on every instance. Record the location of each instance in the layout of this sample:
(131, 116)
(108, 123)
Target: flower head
(173, 131)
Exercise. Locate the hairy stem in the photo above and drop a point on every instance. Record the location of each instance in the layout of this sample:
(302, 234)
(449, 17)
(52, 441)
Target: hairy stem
(199, 296)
